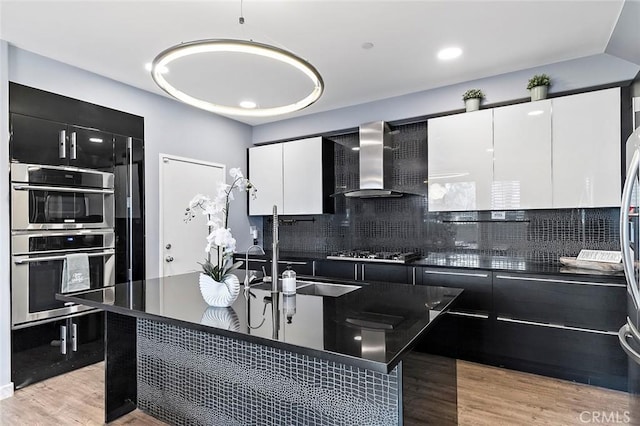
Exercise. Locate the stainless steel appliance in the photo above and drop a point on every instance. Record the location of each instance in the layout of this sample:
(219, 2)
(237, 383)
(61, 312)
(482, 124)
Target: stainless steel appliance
(629, 334)
(370, 256)
(36, 269)
(59, 197)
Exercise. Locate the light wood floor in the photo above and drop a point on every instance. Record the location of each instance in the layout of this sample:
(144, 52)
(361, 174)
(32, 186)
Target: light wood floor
(486, 396)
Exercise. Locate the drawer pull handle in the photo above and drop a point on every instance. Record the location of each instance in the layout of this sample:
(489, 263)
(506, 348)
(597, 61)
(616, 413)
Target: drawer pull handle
(461, 274)
(558, 326)
(468, 314)
(549, 280)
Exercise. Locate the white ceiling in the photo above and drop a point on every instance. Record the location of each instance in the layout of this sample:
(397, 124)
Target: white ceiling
(116, 39)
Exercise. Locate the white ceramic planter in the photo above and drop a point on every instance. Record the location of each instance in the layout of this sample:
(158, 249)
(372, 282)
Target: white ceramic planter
(219, 294)
(472, 104)
(539, 92)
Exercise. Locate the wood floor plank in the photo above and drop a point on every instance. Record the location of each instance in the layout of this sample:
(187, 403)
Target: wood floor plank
(487, 396)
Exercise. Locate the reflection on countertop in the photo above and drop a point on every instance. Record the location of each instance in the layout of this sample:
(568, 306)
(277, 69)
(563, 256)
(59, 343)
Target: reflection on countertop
(372, 327)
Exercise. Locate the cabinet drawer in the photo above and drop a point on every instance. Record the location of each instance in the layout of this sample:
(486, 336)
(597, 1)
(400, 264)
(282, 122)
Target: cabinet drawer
(570, 354)
(387, 273)
(597, 305)
(476, 283)
(337, 269)
(458, 336)
(302, 267)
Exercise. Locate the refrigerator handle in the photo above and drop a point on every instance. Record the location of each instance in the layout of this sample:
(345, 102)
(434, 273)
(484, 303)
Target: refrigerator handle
(623, 335)
(627, 258)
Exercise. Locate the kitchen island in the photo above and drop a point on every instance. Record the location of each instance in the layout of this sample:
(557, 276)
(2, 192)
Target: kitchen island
(328, 355)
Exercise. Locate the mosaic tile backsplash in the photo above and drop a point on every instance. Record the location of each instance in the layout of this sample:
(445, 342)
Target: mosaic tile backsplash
(405, 224)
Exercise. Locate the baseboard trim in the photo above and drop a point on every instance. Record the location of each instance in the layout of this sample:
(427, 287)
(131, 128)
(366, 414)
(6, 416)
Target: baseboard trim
(6, 391)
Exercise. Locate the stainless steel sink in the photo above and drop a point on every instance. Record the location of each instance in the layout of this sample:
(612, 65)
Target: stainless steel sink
(315, 288)
(325, 289)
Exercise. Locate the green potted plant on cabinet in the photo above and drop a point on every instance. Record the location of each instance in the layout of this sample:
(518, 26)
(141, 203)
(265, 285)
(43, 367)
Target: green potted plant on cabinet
(472, 98)
(539, 86)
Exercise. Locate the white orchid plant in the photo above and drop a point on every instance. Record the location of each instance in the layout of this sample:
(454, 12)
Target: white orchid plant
(220, 235)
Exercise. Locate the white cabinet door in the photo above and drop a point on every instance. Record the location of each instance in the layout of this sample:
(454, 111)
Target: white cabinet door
(302, 176)
(522, 157)
(586, 149)
(265, 172)
(460, 161)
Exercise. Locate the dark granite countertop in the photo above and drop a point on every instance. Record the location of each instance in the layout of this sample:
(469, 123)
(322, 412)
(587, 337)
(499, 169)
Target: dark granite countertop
(470, 261)
(372, 327)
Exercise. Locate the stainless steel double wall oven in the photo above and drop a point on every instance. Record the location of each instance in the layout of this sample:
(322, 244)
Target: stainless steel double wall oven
(57, 211)
(77, 186)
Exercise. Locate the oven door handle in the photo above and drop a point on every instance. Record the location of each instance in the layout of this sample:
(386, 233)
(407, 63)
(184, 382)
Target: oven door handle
(61, 189)
(47, 258)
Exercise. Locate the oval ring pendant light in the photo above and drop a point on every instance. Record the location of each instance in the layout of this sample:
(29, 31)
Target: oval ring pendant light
(161, 62)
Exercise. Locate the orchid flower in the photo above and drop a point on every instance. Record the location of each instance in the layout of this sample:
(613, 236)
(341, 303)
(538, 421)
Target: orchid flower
(219, 238)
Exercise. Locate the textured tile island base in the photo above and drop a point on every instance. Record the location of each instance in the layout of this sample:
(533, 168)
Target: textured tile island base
(194, 377)
(312, 360)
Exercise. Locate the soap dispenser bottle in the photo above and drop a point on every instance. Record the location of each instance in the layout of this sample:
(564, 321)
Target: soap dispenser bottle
(289, 281)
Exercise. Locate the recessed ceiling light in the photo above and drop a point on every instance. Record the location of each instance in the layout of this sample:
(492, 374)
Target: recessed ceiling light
(449, 53)
(248, 104)
(367, 45)
(536, 112)
(96, 140)
(148, 66)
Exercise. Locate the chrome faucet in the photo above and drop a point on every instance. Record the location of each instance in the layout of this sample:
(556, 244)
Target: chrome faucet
(247, 279)
(274, 254)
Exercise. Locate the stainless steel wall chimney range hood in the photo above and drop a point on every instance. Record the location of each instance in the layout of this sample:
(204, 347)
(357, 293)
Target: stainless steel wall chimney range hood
(376, 158)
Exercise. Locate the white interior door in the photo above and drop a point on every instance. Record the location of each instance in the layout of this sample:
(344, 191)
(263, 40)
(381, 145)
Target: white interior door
(182, 244)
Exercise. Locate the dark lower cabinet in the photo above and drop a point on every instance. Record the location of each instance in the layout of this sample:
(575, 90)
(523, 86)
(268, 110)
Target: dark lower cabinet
(577, 355)
(557, 326)
(477, 285)
(366, 271)
(337, 269)
(257, 263)
(53, 348)
(594, 304)
(461, 336)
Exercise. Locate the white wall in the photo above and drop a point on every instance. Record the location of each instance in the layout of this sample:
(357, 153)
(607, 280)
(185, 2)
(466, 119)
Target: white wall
(170, 128)
(565, 76)
(6, 387)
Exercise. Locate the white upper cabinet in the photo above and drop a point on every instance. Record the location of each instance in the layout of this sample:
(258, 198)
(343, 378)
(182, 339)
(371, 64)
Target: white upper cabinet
(522, 157)
(557, 153)
(265, 172)
(303, 189)
(460, 161)
(586, 149)
(297, 176)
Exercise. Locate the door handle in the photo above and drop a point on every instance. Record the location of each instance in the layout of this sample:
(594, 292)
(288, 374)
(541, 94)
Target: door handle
(168, 259)
(62, 144)
(624, 334)
(74, 146)
(63, 339)
(74, 337)
(627, 258)
(20, 187)
(50, 258)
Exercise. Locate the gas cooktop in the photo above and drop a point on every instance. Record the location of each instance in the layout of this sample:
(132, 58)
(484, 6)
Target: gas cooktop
(370, 256)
